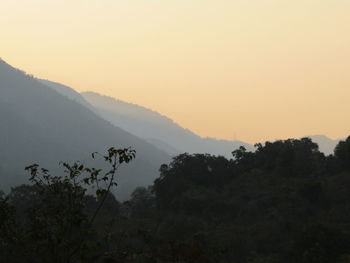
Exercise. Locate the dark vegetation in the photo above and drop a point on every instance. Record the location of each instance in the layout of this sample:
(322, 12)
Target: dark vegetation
(285, 202)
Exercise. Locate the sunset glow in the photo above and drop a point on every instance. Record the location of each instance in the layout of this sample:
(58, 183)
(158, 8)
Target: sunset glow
(251, 70)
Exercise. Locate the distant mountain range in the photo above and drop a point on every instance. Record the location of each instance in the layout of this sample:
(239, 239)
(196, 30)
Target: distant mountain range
(158, 129)
(325, 144)
(162, 131)
(46, 122)
(39, 125)
(149, 125)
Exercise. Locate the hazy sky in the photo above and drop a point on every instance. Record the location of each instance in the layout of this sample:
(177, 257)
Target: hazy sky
(252, 70)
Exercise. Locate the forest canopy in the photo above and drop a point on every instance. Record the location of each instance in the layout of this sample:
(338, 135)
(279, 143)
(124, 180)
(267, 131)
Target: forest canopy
(284, 202)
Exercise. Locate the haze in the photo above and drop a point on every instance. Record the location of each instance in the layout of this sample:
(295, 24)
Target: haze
(251, 70)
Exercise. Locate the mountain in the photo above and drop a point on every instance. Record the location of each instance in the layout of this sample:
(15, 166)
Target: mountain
(169, 136)
(40, 125)
(325, 144)
(153, 127)
(149, 124)
(158, 129)
(66, 91)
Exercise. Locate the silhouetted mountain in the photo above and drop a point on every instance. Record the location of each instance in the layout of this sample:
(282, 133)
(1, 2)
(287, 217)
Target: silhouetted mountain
(158, 129)
(40, 125)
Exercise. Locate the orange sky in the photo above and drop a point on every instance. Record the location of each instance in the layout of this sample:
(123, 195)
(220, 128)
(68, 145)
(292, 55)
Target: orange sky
(252, 70)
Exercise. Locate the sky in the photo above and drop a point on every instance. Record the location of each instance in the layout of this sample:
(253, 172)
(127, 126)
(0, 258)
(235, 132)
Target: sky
(252, 70)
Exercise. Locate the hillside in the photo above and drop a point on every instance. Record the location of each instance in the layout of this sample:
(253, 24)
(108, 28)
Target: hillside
(67, 92)
(325, 144)
(39, 125)
(158, 129)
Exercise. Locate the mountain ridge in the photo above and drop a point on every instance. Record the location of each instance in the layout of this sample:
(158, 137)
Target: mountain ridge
(133, 118)
(105, 106)
(43, 126)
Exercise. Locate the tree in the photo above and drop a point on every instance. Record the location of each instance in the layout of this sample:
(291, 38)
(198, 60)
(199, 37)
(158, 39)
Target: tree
(58, 227)
(8, 231)
(318, 244)
(342, 153)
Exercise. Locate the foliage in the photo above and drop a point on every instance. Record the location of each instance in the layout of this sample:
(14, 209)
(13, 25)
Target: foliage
(284, 202)
(57, 226)
(342, 152)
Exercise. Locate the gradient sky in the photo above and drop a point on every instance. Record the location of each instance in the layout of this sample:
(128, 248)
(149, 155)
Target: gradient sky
(252, 70)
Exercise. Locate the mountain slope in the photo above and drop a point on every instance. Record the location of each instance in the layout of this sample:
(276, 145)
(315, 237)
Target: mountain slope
(157, 128)
(67, 92)
(160, 130)
(40, 125)
(325, 144)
